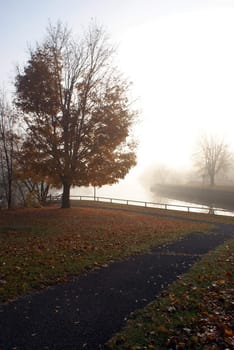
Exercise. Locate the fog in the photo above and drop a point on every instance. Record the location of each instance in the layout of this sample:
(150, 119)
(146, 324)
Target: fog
(179, 56)
(132, 187)
(182, 70)
(141, 183)
(138, 184)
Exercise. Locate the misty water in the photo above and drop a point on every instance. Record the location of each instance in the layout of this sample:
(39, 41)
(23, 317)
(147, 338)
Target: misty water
(136, 194)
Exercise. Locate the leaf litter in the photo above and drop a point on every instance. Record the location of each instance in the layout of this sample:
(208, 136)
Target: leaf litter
(50, 244)
(196, 312)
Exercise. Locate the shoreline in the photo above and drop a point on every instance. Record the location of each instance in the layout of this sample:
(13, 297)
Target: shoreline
(219, 196)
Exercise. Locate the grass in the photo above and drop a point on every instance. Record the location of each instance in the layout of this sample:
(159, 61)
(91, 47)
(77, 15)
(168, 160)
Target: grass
(196, 216)
(45, 246)
(196, 312)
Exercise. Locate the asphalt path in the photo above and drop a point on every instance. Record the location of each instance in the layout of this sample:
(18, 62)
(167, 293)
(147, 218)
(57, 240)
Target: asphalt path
(87, 311)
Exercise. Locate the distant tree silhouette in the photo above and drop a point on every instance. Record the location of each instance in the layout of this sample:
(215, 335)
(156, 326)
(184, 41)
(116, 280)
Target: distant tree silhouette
(212, 157)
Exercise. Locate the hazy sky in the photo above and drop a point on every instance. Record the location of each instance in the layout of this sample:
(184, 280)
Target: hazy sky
(178, 53)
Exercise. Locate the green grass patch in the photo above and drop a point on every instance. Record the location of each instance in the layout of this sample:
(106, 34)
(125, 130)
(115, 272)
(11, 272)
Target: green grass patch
(45, 246)
(196, 312)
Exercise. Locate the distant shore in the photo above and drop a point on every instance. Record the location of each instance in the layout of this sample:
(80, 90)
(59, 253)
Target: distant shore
(217, 197)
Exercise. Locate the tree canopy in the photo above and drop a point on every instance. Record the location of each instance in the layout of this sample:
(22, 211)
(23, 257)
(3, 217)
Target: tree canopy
(76, 109)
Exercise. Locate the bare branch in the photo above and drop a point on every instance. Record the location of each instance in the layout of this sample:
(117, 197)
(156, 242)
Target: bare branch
(212, 157)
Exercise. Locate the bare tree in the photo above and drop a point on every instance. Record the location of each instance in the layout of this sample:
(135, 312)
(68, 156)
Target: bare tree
(8, 143)
(34, 188)
(212, 157)
(77, 111)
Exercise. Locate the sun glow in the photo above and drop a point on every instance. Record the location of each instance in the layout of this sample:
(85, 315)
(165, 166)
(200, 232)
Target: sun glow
(183, 72)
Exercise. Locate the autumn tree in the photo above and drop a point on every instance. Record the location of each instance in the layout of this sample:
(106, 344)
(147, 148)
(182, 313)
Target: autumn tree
(212, 157)
(76, 109)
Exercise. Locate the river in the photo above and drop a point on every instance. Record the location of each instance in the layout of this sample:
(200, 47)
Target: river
(132, 192)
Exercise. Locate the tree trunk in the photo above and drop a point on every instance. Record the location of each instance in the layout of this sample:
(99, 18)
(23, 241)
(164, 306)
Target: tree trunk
(66, 195)
(212, 180)
(9, 196)
(43, 193)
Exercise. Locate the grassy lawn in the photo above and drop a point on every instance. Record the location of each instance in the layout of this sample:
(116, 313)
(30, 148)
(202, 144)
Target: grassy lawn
(196, 312)
(196, 216)
(45, 246)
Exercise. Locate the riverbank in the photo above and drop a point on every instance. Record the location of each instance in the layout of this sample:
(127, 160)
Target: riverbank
(218, 197)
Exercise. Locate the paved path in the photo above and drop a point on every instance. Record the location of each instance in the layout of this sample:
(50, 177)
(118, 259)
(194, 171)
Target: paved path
(86, 312)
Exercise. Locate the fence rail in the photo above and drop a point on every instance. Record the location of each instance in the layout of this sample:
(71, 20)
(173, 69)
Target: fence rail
(166, 206)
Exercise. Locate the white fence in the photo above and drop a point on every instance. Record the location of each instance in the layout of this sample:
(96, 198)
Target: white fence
(167, 206)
